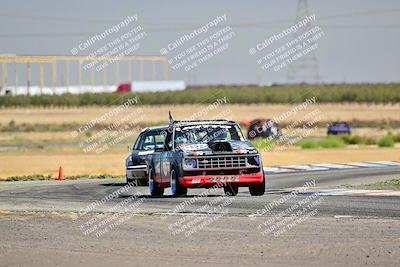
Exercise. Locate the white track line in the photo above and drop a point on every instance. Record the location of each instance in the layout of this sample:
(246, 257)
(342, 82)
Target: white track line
(276, 170)
(388, 163)
(366, 164)
(305, 167)
(328, 166)
(334, 166)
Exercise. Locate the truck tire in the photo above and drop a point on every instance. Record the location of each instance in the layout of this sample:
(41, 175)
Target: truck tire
(257, 189)
(155, 190)
(134, 182)
(176, 189)
(231, 190)
(128, 181)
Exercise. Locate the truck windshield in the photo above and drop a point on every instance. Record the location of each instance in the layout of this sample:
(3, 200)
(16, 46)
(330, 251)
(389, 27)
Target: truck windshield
(207, 133)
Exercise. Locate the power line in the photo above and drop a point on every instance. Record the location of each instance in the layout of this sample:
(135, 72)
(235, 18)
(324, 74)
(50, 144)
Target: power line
(261, 24)
(79, 20)
(72, 34)
(51, 18)
(362, 13)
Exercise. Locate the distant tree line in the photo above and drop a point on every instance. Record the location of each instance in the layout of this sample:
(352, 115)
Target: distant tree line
(361, 93)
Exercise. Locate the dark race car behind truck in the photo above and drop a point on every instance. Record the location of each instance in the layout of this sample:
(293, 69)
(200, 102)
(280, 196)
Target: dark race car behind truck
(148, 140)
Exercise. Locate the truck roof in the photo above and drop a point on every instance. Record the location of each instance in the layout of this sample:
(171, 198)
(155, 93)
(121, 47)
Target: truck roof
(188, 123)
(197, 122)
(163, 127)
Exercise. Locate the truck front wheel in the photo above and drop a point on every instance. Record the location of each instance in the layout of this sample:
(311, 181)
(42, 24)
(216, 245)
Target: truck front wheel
(155, 190)
(176, 188)
(231, 190)
(257, 189)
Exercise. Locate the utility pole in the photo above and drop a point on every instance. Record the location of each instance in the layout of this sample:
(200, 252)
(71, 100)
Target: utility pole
(305, 69)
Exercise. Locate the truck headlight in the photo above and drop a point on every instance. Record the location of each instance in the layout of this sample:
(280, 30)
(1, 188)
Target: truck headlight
(190, 163)
(254, 160)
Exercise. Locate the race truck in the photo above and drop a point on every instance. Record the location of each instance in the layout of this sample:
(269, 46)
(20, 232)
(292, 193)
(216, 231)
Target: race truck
(203, 154)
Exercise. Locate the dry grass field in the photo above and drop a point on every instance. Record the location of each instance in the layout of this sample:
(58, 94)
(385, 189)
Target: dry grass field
(237, 112)
(75, 162)
(42, 152)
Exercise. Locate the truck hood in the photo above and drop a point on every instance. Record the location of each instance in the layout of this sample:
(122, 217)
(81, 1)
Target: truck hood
(207, 148)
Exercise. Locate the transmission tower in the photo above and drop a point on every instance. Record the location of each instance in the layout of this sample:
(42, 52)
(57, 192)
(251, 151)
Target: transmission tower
(304, 69)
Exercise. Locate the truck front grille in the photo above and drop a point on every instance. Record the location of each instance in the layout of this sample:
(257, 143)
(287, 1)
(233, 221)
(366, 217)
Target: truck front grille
(221, 162)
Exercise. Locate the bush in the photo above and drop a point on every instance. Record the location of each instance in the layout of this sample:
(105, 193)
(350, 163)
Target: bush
(346, 138)
(396, 138)
(358, 140)
(308, 143)
(369, 141)
(386, 141)
(353, 139)
(332, 142)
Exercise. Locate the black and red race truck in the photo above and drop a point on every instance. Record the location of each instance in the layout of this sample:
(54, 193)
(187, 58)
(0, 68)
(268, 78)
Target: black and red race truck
(202, 154)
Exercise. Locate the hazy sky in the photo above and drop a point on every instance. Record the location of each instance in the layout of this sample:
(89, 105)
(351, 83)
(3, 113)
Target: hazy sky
(360, 44)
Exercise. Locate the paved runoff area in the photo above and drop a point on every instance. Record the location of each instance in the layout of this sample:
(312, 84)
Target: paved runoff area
(304, 218)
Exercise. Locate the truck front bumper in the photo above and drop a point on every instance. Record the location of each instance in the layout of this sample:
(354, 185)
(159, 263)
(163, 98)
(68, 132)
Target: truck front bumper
(210, 180)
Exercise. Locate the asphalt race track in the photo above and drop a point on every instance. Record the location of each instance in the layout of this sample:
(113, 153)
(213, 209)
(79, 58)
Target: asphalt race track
(45, 222)
(77, 194)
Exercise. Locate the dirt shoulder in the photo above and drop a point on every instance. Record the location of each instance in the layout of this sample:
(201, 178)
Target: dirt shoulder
(44, 239)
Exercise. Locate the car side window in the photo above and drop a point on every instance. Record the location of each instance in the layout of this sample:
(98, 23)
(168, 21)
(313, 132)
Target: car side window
(138, 145)
(145, 141)
(150, 140)
(159, 140)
